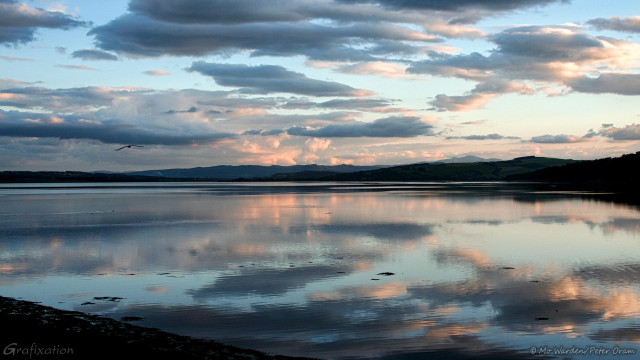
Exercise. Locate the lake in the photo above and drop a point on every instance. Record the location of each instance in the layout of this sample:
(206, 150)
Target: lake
(336, 271)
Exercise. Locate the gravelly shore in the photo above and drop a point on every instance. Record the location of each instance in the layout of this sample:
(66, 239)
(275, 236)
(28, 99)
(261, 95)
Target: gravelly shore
(33, 331)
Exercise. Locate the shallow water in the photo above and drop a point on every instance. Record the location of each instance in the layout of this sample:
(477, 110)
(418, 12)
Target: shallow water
(335, 270)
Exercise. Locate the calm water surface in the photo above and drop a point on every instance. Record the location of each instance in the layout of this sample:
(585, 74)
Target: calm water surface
(334, 271)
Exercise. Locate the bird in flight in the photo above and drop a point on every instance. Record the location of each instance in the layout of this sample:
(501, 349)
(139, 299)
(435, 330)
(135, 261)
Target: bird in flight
(128, 146)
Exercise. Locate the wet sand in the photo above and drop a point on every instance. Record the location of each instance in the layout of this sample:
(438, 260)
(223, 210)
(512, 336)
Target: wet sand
(34, 331)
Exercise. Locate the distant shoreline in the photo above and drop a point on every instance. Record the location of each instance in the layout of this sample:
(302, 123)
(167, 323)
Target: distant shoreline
(32, 329)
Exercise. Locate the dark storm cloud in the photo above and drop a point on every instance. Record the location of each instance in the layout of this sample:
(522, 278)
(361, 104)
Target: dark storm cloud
(142, 36)
(91, 54)
(484, 137)
(625, 24)
(407, 126)
(265, 79)
(21, 124)
(19, 22)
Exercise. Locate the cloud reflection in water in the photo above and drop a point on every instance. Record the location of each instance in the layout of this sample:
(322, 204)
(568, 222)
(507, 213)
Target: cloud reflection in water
(299, 272)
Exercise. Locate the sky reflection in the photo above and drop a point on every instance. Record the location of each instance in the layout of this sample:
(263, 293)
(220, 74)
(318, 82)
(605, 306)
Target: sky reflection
(357, 273)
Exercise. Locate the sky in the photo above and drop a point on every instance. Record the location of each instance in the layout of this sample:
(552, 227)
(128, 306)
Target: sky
(284, 82)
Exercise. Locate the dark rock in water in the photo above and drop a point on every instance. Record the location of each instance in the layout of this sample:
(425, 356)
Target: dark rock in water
(386, 273)
(131, 318)
(508, 267)
(375, 279)
(107, 298)
(542, 318)
(88, 303)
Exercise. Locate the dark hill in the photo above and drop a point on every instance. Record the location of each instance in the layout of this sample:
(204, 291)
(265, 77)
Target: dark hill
(70, 176)
(233, 172)
(609, 173)
(478, 171)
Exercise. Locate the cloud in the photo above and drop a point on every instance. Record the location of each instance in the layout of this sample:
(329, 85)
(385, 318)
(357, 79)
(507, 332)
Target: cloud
(629, 132)
(559, 139)
(20, 21)
(531, 59)
(137, 35)
(495, 5)
(22, 124)
(624, 24)
(219, 11)
(92, 54)
(378, 68)
(14, 58)
(484, 137)
(76, 67)
(388, 127)
(12, 83)
(157, 73)
(444, 102)
(359, 104)
(192, 109)
(617, 83)
(474, 122)
(314, 145)
(265, 79)
(71, 99)
(479, 96)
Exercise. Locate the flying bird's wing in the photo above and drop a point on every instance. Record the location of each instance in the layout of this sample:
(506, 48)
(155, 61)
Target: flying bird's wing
(128, 146)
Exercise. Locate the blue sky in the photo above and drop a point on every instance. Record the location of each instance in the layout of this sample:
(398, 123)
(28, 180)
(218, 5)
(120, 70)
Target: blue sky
(201, 83)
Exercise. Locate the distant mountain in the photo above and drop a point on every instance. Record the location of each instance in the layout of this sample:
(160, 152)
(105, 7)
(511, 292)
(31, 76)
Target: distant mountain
(70, 176)
(229, 172)
(476, 171)
(465, 159)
